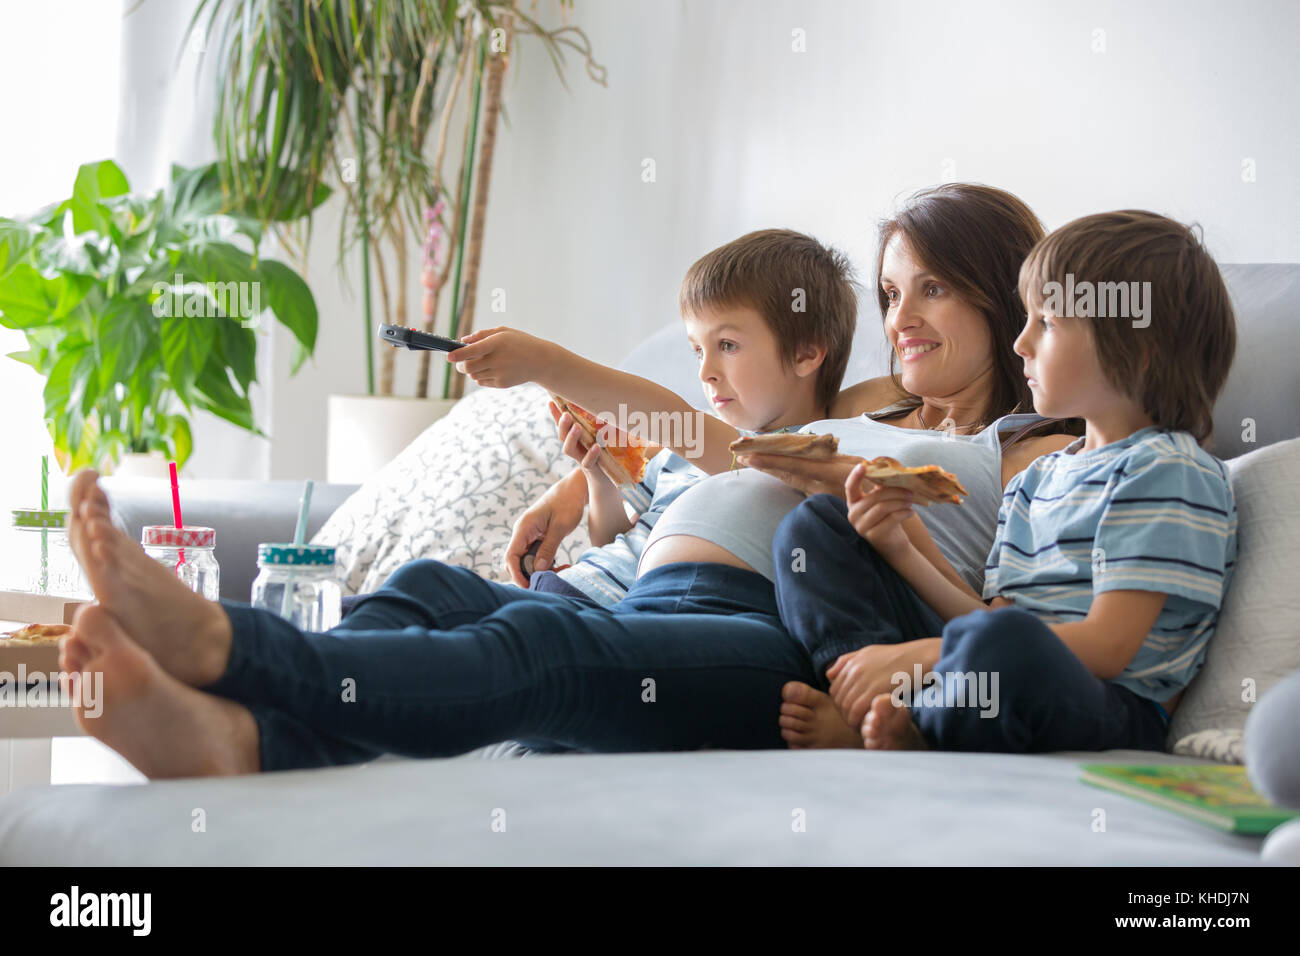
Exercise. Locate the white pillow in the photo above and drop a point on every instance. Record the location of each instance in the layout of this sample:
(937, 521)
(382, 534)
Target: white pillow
(1257, 640)
(454, 493)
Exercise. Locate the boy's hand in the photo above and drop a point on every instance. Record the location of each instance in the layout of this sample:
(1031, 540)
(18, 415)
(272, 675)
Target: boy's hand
(878, 514)
(860, 676)
(549, 521)
(573, 439)
(502, 357)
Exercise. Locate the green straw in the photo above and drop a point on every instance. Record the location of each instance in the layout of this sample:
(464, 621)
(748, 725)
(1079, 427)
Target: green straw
(299, 534)
(45, 542)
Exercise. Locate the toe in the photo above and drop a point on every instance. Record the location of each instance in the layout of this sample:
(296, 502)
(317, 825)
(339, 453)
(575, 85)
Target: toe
(73, 653)
(797, 692)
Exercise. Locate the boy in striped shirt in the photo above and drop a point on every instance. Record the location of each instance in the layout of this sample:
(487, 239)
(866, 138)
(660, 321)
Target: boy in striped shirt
(1113, 555)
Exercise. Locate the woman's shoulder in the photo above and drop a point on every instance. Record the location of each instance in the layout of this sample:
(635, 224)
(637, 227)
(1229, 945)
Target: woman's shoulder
(1028, 450)
(866, 396)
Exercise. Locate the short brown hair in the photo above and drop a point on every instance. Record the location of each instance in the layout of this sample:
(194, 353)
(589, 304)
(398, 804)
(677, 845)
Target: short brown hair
(763, 270)
(974, 238)
(1174, 367)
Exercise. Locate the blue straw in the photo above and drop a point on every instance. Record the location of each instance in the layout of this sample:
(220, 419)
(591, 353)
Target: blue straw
(299, 537)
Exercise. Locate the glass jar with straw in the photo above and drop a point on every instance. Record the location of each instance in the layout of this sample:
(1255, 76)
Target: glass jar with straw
(189, 552)
(37, 557)
(299, 581)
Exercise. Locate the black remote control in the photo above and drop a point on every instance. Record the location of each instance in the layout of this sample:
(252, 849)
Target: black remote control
(415, 340)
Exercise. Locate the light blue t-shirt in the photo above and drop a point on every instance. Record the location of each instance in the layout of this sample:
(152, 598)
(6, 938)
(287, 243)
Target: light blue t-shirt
(1151, 512)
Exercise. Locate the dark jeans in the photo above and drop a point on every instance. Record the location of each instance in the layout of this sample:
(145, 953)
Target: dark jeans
(837, 595)
(439, 662)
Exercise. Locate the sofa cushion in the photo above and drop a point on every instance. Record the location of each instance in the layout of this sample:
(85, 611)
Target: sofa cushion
(454, 493)
(1257, 641)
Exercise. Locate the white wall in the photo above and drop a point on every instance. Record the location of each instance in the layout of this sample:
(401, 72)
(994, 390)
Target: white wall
(746, 133)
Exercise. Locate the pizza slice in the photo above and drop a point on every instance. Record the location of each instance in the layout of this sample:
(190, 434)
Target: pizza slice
(34, 634)
(623, 457)
(928, 482)
(792, 444)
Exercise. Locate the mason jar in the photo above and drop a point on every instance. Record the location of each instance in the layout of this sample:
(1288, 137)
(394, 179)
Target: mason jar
(308, 575)
(188, 553)
(37, 557)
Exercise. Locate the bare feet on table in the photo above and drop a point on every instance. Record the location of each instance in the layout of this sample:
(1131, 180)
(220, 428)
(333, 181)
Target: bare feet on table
(809, 719)
(163, 727)
(887, 727)
(186, 634)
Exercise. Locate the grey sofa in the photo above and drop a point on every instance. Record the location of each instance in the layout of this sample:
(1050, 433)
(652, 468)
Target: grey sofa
(663, 809)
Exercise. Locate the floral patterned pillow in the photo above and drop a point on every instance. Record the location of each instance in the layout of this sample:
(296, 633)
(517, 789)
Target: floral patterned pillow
(454, 493)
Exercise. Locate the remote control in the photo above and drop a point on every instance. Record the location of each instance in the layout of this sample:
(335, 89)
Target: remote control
(415, 340)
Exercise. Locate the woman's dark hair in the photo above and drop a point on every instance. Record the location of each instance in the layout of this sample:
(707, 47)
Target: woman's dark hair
(975, 238)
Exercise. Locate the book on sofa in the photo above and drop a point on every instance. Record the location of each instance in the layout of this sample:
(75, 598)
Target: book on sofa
(1220, 796)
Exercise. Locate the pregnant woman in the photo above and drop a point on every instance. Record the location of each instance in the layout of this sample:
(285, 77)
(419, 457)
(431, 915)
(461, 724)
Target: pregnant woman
(439, 662)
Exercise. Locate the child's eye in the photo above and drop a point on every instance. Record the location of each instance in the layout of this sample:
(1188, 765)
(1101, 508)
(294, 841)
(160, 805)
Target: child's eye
(891, 294)
(727, 346)
(933, 288)
(697, 351)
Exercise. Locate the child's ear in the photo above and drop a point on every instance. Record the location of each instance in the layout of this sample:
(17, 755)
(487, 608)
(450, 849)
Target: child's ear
(809, 359)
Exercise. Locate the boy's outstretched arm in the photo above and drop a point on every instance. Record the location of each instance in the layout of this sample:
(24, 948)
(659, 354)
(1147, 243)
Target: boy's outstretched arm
(501, 358)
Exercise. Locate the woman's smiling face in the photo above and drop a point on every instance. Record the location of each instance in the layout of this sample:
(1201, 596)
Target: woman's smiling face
(942, 342)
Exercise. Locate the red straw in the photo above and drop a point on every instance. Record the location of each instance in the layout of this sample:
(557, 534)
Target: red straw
(176, 503)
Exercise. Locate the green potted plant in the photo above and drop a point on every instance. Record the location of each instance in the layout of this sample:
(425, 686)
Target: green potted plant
(362, 95)
(140, 310)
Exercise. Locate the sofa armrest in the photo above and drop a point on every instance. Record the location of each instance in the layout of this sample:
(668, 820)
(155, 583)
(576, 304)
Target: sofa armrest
(244, 514)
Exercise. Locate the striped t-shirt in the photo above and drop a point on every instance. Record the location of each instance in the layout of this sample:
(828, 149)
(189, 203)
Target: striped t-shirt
(1151, 512)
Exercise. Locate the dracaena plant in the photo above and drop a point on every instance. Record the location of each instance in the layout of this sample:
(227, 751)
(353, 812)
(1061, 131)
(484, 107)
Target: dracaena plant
(141, 309)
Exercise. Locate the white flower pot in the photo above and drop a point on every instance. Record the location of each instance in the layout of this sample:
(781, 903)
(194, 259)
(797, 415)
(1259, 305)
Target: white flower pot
(366, 432)
(152, 465)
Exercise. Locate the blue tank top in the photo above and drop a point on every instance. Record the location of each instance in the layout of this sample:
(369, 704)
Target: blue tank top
(740, 510)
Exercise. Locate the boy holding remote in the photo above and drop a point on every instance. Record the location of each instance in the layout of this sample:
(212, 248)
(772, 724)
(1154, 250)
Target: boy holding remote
(764, 368)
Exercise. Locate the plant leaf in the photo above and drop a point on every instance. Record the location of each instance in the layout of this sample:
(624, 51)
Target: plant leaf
(186, 345)
(291, 301)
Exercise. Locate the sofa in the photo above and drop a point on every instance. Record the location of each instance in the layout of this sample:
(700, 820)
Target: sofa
(711, 807)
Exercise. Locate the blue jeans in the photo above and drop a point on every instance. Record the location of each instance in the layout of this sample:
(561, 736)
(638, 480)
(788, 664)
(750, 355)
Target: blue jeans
(838, 595)
(439, 661)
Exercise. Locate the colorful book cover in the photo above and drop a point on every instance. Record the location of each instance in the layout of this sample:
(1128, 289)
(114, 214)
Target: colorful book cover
(1215, 794)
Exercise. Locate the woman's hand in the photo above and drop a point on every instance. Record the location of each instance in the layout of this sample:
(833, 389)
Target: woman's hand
(555, 514)
(878, 514)
(502, 357)
(859, 677)
(802, 474)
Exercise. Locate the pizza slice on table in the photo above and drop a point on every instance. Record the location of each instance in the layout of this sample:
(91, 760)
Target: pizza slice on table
(623, 457)
(34, 634)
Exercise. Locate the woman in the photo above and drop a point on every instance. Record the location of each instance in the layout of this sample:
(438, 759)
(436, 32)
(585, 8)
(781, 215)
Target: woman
(446, 662)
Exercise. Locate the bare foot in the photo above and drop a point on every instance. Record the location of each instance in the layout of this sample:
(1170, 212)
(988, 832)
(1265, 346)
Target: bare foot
(188, 635)
(809, 718)
(162, 727)
(887, 727)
